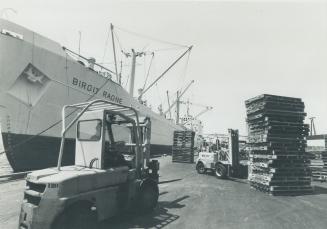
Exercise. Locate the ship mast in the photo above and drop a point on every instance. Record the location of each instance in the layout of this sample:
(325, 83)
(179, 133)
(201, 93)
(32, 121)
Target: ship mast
(132, 77)
(114, 49)
(177, 107)
(168, 104)
(178, 97)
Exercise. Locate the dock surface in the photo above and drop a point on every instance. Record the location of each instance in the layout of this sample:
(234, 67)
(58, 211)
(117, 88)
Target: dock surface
(190, 200)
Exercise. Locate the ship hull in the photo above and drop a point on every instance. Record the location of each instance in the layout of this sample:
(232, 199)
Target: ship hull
(37, 79)
(43, 151)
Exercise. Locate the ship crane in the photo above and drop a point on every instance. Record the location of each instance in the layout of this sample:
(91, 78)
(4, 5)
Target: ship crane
(203, 111)
(162, 74)
(179, 95)
(188, 103)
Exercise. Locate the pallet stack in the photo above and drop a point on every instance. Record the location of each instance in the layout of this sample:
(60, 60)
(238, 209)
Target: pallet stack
(278, 164)
(183, 147)
(324, 159)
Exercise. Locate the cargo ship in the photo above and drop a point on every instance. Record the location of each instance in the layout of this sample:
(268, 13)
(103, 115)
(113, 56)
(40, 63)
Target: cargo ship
(38, 77)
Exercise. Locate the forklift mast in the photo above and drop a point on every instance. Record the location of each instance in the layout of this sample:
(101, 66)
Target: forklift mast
(233, 146)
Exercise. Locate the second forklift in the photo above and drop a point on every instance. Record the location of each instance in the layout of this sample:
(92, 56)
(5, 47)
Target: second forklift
(222, 163)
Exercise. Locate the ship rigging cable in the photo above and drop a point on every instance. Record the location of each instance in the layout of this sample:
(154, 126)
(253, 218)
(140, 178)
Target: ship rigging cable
(185, 69)
(105, 46)
(149, 37)
(162, 74)
(147, 75)
(126, 54)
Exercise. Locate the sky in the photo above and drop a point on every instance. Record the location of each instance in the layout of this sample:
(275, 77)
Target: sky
(241, 49)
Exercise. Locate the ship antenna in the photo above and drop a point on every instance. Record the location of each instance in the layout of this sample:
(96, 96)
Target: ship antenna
(79, 41)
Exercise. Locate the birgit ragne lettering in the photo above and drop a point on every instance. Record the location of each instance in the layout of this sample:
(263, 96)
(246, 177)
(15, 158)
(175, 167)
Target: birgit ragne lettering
(95, 90)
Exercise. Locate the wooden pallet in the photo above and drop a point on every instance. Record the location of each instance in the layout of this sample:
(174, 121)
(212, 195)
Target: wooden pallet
(279, 157)
(273, 98)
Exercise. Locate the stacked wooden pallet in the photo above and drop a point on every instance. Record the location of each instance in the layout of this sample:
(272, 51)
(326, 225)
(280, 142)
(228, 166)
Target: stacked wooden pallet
(277, 145)
(183, 147)
(324, 159)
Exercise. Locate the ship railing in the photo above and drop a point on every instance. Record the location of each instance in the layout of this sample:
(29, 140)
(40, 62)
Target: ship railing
(90, 64)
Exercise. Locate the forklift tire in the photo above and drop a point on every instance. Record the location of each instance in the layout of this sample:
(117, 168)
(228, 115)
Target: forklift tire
(220, 171)
(200, 168)
(148, 196)
(78, 216)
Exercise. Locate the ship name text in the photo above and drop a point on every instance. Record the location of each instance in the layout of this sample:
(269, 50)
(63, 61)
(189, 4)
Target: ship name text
(93, 89)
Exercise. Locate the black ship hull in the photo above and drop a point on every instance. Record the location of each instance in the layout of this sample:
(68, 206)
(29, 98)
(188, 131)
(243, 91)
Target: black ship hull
(43, 151)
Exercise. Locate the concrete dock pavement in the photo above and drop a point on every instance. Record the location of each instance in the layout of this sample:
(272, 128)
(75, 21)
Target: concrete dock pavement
(197, 201)
(11, 196)
(190, 200)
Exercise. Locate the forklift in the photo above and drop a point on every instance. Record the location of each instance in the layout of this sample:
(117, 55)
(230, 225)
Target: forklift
(112, 173)
(222, 163)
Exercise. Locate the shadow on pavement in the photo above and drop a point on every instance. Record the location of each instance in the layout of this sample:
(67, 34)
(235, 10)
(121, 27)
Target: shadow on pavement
(173, 204)
(239, 180)
(169, 181)
(163, 193)
(159, 218)
(234, 179)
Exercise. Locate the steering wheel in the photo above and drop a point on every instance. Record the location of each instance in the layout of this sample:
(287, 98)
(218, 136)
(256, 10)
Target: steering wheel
(92, 162)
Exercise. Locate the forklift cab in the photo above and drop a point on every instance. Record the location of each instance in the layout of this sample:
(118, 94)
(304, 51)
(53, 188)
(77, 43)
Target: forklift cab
(104, 140)
(110, 135)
